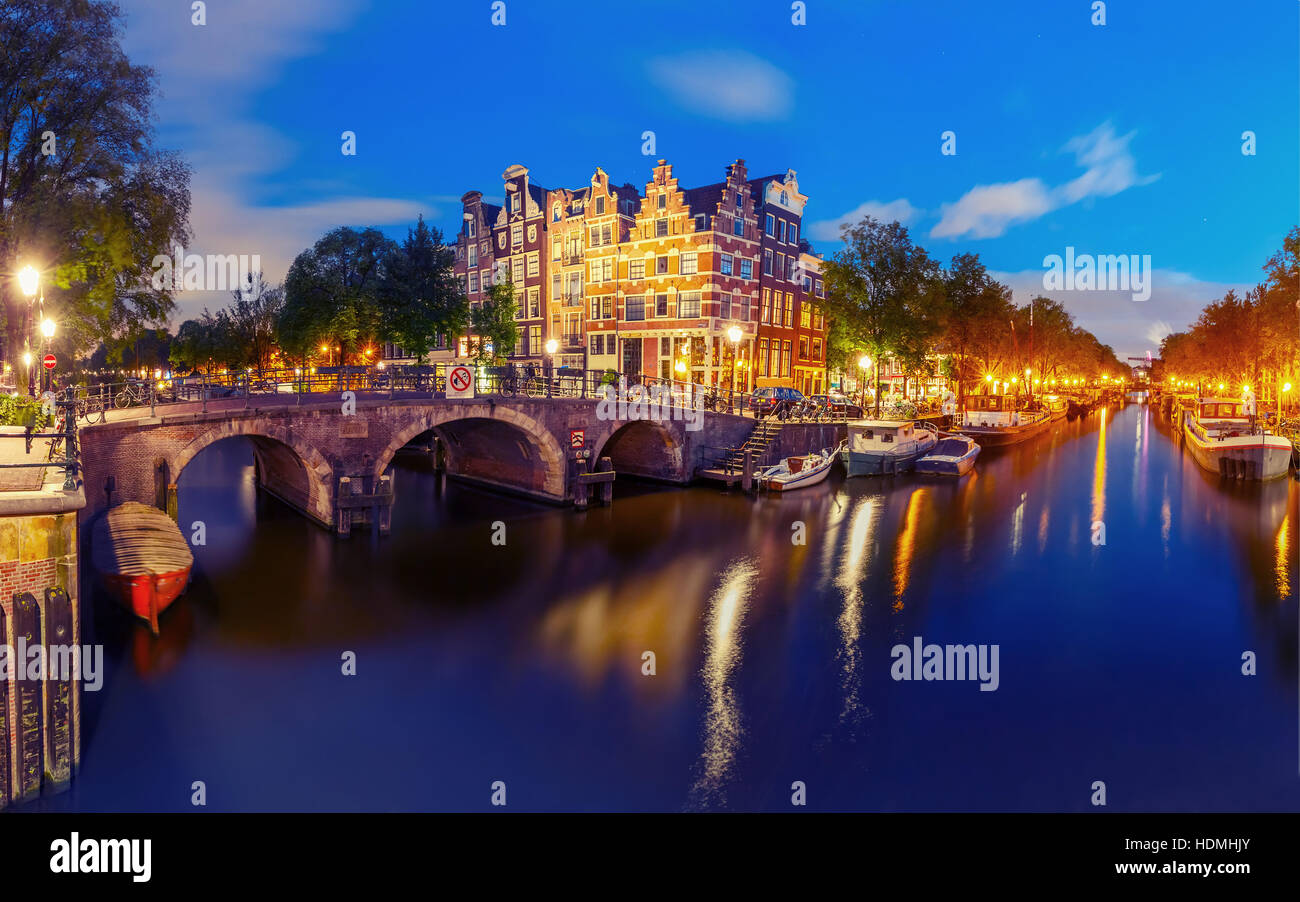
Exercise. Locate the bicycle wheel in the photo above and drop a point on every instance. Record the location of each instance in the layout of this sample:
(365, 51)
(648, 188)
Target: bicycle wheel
(123, 398)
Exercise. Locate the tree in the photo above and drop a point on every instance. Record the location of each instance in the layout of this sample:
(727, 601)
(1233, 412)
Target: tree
(332, 290)
(885, 292)
(421, 297)
(84, 194)
(976, 310)
(252, 321)
(493, 330)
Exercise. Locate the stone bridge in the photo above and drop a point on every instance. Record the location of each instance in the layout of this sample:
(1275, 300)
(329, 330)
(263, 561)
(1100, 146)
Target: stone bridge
(333, 463)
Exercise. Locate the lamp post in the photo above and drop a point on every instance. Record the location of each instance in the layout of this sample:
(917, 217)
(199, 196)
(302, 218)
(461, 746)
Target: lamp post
(551, 347)
(29, 280)
(864, 364)
(735, 335)
(47, 329)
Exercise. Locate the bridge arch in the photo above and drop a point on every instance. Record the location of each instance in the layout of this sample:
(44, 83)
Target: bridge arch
(288, 467)
(479, 435)
(645, 448)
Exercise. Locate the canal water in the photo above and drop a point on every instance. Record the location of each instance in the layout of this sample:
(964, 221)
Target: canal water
(524, 662)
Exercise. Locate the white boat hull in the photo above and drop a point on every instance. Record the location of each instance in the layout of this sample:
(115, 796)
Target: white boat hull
(1250, 457)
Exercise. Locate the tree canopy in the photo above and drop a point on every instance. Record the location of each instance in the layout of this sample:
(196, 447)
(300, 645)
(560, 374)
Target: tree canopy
(85, 196)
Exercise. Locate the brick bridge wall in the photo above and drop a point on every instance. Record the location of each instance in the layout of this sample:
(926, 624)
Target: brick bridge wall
(303, 451)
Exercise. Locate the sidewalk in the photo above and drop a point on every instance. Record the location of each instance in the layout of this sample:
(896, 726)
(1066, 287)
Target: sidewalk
(12, 448)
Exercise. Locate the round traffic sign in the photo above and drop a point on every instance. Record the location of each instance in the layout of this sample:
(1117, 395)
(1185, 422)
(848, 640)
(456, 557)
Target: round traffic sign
(49, 361)
(459, 378)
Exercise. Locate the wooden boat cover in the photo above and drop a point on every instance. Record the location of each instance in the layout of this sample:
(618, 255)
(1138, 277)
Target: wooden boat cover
(134, 539)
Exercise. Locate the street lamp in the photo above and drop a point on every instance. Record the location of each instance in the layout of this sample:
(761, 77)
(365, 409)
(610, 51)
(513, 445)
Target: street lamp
(29, 280)
(864, 364)
(735, 335)
(551, 347)
(47, 329)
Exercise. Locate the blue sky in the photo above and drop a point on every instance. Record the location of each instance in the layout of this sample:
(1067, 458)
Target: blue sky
(1115, 139)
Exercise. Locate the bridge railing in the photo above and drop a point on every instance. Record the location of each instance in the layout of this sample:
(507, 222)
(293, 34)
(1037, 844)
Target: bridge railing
(534, 380)
(63, 449)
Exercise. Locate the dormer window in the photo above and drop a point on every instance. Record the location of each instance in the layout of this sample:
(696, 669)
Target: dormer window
(555, 213)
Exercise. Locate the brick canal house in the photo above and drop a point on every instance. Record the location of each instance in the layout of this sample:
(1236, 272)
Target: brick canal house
(589, 228)
(475, 253)
(791, 346)
(689, 278)
(652, 283)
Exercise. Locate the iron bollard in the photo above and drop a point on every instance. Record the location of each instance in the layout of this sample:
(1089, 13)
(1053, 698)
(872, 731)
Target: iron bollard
(153, 400)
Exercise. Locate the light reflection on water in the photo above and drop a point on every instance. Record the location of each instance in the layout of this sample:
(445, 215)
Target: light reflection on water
(525, 663)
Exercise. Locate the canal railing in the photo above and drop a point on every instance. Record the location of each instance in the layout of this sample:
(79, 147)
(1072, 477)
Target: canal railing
(519, 380)
(63, 448)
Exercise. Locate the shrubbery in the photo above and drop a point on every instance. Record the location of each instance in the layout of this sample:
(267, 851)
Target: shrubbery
(19, 410)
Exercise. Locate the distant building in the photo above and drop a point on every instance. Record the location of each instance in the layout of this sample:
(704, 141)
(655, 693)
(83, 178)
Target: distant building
(653, 282)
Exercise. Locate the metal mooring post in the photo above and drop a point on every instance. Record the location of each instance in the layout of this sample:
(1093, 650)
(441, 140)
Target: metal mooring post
(203, 389)
(153, 399)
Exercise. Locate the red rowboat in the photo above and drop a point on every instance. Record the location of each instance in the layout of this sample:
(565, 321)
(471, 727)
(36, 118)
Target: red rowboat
(143, 558)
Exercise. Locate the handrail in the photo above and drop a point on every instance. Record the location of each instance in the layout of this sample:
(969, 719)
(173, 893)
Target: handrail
(71, 462)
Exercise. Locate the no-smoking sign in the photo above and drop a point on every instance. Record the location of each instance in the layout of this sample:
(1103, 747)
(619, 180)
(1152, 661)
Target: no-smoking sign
(460, 382)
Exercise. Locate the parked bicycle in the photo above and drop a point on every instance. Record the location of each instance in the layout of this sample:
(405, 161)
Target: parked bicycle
(134, 393)
(92, 409)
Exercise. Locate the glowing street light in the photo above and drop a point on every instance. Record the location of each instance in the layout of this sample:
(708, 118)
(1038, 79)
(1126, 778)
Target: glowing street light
(552, 346)
(29, 280)
(47, 328)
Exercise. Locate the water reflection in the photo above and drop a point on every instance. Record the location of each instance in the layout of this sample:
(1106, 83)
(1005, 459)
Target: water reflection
(771, 657)
(725, 615)
(850, 581)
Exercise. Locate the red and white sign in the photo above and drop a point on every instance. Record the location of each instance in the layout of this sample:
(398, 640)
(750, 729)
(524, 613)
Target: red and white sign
(460, 382)
(49, 361)
(577, 438)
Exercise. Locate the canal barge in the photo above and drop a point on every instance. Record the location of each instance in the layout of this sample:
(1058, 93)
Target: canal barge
(1223, 439)
(884, 447)
(994, 420)
(142, 558)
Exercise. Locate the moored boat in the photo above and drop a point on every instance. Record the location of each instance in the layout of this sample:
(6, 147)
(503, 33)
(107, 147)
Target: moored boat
(954, 455)
(798, 471)
(1056, 406)
(883, 447)
(143, 558)
(1224, 439)
(994, 420)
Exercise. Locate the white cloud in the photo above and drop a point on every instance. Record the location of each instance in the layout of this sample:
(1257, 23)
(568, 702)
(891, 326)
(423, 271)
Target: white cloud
(728, 84)
(900, 209)
(209, 76)
(987, 211)
(1130, 327)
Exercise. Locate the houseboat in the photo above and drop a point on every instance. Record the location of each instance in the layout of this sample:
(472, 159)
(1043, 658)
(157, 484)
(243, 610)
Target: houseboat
(1223, 439)
(883, 447)
(994, 420)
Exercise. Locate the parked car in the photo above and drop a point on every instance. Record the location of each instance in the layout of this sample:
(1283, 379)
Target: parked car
(839, 405)
(774, 400)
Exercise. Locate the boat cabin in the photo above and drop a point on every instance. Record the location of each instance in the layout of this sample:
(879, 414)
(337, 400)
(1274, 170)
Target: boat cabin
(991, 410)
(1215, 410)
(880, 435)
